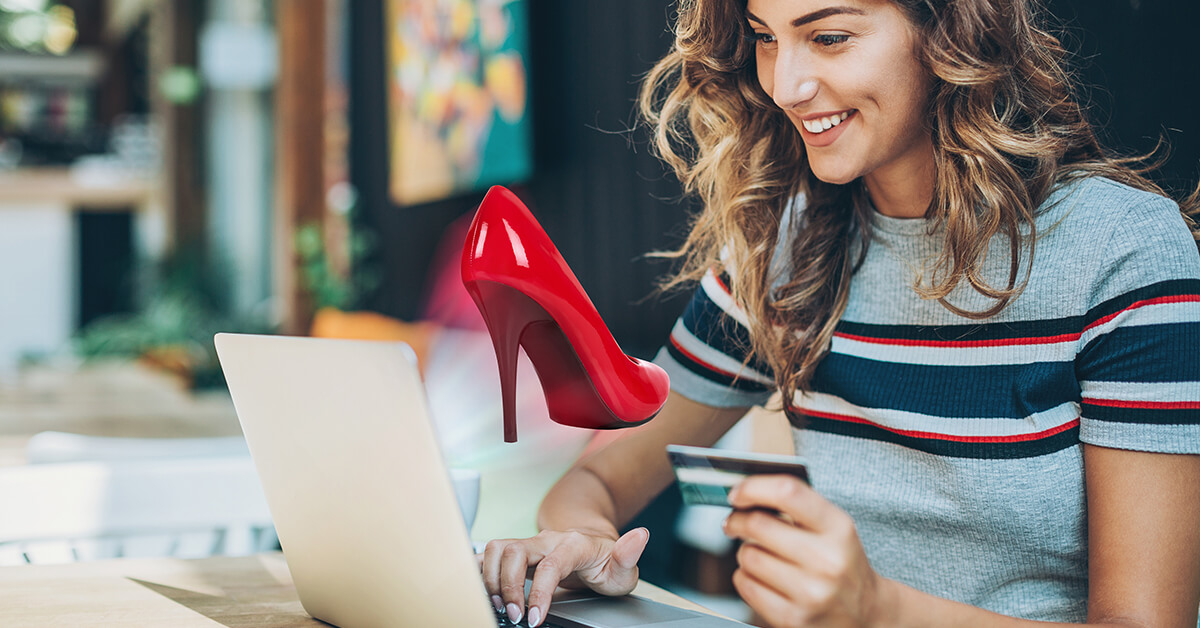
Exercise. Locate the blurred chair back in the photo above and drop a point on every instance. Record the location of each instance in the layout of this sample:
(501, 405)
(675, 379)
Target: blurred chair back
(191, 507)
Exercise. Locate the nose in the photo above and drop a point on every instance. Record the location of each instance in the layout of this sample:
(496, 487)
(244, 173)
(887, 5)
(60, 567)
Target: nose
(795, 83)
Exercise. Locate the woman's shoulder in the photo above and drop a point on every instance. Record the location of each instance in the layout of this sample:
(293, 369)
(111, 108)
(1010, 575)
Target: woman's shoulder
(1122, 237)
(1100, 196)
(1110, 212)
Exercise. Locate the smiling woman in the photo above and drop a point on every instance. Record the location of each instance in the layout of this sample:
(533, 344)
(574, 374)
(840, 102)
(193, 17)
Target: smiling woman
(985, 329)
(857, 67)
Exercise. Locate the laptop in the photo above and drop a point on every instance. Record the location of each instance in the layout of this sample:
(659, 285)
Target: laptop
(360, 495)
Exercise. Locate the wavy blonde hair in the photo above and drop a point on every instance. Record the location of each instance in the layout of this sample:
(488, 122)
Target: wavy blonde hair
(1006, 130)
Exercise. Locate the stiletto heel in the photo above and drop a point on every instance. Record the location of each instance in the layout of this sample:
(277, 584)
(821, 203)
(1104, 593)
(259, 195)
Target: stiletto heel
(506, 317)
(529, 298)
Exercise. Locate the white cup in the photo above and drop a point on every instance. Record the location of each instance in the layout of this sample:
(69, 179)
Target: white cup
(466, 489)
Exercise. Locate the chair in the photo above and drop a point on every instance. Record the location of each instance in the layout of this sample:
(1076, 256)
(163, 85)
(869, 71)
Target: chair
(65, 512)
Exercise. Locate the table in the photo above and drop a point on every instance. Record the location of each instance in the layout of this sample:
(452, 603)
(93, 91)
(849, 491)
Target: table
(115, 398)
(247, 591)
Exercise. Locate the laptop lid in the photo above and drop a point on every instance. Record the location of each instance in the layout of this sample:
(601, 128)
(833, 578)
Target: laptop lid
(358, 489)
(339, 433)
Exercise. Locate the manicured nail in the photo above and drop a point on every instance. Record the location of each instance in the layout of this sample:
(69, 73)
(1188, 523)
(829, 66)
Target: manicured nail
(498, 603)
(535, 616)
(514, 613)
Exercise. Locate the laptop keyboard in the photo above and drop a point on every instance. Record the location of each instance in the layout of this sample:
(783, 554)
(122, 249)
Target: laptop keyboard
(503, 622)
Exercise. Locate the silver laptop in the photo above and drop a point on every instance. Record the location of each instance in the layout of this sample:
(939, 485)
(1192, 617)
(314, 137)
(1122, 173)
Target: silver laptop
(360, 495)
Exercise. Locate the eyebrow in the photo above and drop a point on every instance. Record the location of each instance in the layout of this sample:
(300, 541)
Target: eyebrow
(814, 16)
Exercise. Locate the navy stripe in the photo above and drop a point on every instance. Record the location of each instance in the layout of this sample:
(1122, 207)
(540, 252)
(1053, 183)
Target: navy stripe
(1173, 287)
(740, 383)
(953, 449)
(1168, 352)
(998, 391)
(712, 326)
(987, 331)
(1155, 416)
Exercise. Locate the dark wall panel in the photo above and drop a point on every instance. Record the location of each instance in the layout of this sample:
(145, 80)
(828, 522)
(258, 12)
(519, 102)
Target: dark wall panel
(1140, 66)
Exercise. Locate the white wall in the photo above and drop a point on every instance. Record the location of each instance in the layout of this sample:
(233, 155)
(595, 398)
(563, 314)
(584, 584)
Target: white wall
(37, 280)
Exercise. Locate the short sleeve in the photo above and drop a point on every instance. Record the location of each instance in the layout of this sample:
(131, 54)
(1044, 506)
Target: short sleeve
(706, 352)
(1139, 365)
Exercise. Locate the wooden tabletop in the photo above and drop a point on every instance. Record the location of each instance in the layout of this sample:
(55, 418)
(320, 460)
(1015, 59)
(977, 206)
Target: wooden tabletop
(113, 398)
(249, 591)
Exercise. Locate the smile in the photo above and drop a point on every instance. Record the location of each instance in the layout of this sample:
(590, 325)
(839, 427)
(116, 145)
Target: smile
(820, 125)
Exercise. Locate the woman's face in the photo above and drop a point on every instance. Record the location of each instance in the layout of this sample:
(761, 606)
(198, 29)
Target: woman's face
(846, 74)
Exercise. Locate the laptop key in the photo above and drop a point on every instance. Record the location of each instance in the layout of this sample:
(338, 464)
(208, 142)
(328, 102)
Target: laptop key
(502, 621)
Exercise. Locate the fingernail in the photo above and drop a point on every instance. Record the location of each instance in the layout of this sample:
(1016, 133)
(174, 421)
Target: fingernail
(514, 613)
(535, 617)
(498, 603)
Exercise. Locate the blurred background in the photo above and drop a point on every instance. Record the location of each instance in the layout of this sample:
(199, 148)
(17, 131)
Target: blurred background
(173, 169)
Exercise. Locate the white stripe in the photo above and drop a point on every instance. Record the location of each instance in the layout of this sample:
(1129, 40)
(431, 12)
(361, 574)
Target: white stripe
(714, 358)
(712, 287)
(1141, 391)
(714, 477)
(726, 259)
(1186, 312)
(956, 356)
(955, 426)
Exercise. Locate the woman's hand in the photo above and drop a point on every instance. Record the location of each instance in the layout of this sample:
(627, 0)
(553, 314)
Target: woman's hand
(572, 558)
(804, 568)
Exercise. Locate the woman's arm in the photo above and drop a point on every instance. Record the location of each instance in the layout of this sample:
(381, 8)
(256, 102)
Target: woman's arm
(1143, 537)
(583, 511)
(1144, 553)
(629, 468)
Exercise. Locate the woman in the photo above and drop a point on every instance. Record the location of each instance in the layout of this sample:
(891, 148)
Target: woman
(987, 333)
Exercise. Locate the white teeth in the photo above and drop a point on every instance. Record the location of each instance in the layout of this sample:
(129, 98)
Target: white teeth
(823, 124)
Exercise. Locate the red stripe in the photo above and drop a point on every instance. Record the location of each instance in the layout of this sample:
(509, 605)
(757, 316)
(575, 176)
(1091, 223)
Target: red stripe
(1145, 405)
(998, 342)
(948, 437)
(721, 284)
(691, 356)
(1177, 298)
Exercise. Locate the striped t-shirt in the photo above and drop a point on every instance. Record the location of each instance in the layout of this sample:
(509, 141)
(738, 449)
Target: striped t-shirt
(956, 445)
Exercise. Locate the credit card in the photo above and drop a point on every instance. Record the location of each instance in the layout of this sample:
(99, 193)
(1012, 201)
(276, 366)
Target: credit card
(705, 476)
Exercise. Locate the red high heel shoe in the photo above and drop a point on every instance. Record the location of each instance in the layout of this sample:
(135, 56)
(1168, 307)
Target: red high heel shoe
(529, 297)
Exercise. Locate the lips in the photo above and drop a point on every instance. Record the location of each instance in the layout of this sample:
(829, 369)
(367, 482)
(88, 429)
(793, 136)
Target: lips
(826, 135)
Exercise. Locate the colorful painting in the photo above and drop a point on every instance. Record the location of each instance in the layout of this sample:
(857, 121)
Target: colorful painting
(457, 96)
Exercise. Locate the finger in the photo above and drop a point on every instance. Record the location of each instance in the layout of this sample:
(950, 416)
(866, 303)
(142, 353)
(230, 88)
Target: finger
(628, 549)
(619, 573)
(790, 496)
(783, 576)
(771, 605)
(515, 564)
(772, 534)
(491, 569)
(556, 566)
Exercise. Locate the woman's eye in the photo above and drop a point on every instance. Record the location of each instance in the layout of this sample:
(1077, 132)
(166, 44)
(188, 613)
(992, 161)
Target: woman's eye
(830, 40)
(762, 38)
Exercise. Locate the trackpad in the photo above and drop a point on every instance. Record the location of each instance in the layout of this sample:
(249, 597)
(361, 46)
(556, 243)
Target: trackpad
(625, 611)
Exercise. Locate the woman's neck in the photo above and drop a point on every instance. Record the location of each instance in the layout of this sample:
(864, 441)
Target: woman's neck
(902, 189)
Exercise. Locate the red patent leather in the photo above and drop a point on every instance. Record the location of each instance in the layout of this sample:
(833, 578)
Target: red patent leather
(529, 297)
